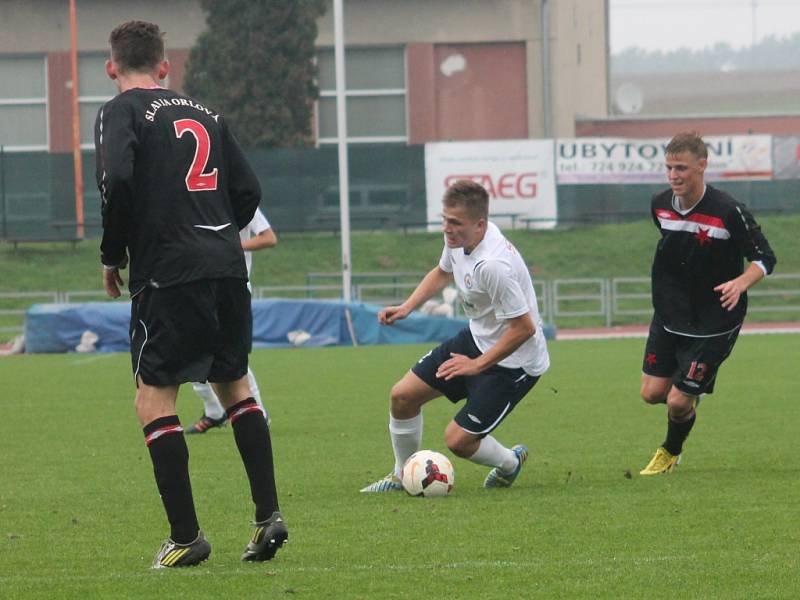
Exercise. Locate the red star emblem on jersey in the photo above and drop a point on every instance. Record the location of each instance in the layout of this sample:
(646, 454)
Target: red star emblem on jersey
(651, 359)
(702, 236)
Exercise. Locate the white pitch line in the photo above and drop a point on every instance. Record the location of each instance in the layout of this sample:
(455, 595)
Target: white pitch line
(90, 359)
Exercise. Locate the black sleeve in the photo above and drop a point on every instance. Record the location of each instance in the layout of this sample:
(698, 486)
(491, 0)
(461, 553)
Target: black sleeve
(748, 238)
(653, 202)
(115, 144)
(243, 187)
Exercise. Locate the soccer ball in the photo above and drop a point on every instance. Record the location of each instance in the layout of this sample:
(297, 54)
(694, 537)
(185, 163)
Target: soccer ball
(427, 473)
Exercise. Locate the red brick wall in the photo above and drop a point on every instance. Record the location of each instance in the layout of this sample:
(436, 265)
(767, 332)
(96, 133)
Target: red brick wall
(177, 68)
(59, 99)
(486, 99)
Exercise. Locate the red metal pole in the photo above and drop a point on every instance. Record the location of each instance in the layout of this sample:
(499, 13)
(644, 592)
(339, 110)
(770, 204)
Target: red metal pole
(76, 122)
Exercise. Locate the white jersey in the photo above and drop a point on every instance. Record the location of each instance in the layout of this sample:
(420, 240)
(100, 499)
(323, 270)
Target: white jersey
(494, 285)
(257, 225)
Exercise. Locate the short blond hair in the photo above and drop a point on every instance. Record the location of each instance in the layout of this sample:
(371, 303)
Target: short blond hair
(687, 141)
(471, 195)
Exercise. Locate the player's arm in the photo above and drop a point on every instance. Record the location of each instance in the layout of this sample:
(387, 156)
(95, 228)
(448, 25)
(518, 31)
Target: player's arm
(747, 235)
(433, 283)
(518, 331)
(115, 143)
(243, 187)
(265, 239)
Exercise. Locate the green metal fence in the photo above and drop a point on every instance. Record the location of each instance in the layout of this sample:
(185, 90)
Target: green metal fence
(300, 191)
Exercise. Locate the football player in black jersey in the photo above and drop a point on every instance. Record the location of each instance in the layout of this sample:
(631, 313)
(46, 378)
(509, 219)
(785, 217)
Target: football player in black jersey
(176, 189)
(699, 289)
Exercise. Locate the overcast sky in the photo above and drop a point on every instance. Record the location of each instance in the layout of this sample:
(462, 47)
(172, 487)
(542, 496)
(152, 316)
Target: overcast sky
(668, 24)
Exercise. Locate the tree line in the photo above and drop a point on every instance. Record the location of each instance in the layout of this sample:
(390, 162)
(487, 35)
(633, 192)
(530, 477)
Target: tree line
(770, 54)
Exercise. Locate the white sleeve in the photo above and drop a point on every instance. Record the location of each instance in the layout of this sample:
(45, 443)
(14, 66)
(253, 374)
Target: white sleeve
(446, 262)
(259, 223)
(497, 278)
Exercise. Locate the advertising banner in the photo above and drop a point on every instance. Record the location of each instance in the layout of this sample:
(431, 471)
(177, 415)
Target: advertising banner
(518, 175)
(628, 160)
(786, 157)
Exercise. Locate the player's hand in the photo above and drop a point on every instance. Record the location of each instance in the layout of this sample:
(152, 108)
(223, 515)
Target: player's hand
(457, 365)
(112, 281)
(390, 314)
(730, 291)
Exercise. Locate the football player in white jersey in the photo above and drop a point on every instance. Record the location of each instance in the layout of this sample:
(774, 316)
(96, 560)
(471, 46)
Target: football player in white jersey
(257, 235)
(493, 363)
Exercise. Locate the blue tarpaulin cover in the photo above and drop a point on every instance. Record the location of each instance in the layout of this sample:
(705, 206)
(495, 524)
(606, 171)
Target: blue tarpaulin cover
(58, 327)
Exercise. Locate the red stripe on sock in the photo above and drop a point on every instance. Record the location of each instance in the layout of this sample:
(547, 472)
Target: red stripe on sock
(153, 436)
(243, 410)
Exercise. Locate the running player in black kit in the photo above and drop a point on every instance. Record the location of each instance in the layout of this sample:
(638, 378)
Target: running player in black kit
(699, 290)
(176, 189)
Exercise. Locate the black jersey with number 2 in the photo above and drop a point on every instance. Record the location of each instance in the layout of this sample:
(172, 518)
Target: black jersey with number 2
(176, 189)
(697, 251)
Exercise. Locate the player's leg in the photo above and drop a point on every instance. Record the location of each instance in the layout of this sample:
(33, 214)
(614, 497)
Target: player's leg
(405, 427)
(213, 412)
(163, 434)
(251, 379)
(230, 381)
(659, 366)
(681, 416)
(165, 353)
(680, 420)
(253, 440)
(405, 416)
(492, 396)
(254, 443)
(417, 386)
(699, 360)
(655, 390)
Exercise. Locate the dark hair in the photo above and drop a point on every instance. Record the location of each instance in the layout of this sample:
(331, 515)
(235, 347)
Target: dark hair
(137, 46)
(469, 194)
(688, 141)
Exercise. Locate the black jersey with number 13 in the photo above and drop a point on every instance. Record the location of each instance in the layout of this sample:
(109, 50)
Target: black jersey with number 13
(176, 189)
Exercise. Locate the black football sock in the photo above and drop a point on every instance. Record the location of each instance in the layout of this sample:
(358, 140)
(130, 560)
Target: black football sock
(677, 434)
(170, 456)
(255, 447)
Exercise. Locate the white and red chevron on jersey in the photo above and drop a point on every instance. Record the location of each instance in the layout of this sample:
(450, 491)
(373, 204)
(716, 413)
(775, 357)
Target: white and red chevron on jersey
(693, 223)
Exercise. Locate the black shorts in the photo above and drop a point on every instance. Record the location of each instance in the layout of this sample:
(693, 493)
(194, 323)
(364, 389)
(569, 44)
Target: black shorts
(691, 362)
(196, 331)
(490, 395)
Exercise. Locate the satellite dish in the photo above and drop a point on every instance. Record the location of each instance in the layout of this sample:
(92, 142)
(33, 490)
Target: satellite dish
(629, 98)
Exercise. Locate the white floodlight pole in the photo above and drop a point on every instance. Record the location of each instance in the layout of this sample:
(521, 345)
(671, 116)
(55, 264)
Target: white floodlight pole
(341, 136)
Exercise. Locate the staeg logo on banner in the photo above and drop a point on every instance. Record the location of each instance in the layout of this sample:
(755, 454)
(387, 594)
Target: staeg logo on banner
(507, 186)
(519, 176)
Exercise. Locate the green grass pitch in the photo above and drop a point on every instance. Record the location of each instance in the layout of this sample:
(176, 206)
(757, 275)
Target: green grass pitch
(80, 516)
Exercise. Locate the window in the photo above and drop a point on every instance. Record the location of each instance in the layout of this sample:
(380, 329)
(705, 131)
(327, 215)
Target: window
(94, 90)
(23, 105)
(376, 95)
